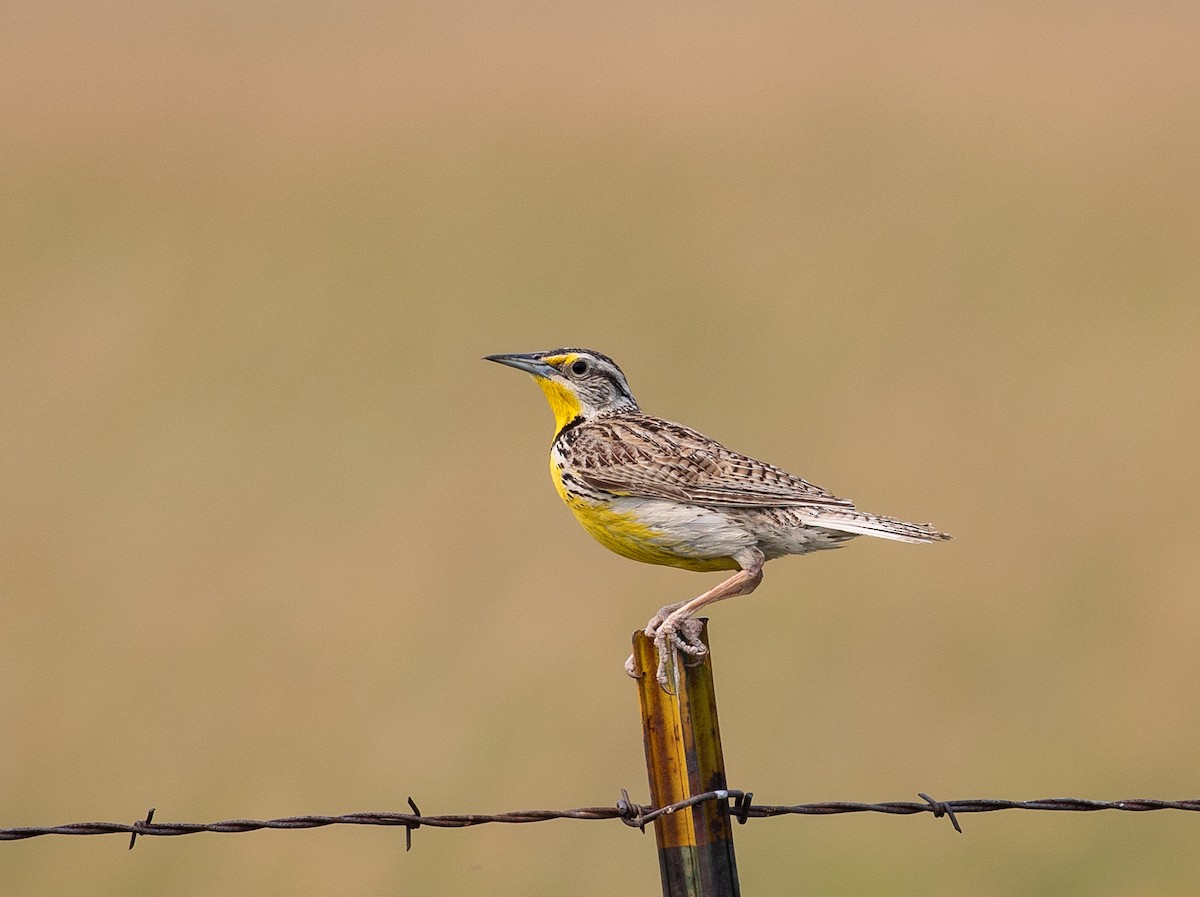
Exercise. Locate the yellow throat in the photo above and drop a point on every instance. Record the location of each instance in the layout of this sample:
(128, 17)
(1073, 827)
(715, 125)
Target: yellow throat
(563, 402)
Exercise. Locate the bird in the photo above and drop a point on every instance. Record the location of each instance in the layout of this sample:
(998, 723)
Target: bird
(660, 492)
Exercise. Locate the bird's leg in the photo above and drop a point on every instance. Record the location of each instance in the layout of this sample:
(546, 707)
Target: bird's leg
(675, 626)
(681, 630)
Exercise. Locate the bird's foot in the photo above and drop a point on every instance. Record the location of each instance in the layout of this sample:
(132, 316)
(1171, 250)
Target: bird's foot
(675, 630)
(672, 630)
(683, 631)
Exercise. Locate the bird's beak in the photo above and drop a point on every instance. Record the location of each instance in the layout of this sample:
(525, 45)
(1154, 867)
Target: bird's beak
(530, 364)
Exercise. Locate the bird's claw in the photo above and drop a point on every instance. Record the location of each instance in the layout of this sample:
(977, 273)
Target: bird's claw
(631, 668)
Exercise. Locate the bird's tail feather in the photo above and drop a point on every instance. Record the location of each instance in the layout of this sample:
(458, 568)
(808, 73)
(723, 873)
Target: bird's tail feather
(848, 520)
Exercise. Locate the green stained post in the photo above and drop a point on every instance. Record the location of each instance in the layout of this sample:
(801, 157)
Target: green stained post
(683, 758)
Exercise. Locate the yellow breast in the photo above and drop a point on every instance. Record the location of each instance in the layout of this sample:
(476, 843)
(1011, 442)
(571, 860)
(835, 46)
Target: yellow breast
(621, 532)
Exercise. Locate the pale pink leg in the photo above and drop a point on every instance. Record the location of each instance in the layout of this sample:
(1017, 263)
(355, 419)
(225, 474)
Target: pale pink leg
(675, 626)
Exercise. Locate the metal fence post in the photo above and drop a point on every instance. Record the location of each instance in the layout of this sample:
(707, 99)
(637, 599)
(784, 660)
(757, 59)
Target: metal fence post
(683, 758)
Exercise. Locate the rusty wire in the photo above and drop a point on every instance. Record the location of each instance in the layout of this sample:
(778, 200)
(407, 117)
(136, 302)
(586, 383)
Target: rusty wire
(738, 803)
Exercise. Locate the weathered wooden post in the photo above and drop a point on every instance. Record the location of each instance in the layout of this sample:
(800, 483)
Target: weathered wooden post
(683, 758)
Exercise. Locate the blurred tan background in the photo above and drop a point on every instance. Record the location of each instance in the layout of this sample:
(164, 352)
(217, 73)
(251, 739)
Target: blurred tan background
(275, 541)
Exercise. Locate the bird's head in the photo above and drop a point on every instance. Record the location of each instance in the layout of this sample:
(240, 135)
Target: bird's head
(580, 383)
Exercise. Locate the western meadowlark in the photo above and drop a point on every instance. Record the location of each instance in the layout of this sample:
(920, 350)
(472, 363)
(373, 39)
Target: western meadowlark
(659, 492)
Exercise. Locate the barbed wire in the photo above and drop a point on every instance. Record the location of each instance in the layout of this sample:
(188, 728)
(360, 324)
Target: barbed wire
(739, 805)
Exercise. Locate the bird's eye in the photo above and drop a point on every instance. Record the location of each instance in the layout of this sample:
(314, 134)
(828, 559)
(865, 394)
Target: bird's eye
(579, 367)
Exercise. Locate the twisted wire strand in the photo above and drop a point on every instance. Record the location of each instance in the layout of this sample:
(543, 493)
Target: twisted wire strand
(738, 803)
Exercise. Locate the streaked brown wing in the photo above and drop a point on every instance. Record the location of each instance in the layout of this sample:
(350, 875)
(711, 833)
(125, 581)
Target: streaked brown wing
(645, 457)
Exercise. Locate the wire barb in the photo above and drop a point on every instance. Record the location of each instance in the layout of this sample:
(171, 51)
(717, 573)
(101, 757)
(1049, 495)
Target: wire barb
(633, 815)
(133, 835)
(408, 829)
(940, 809)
